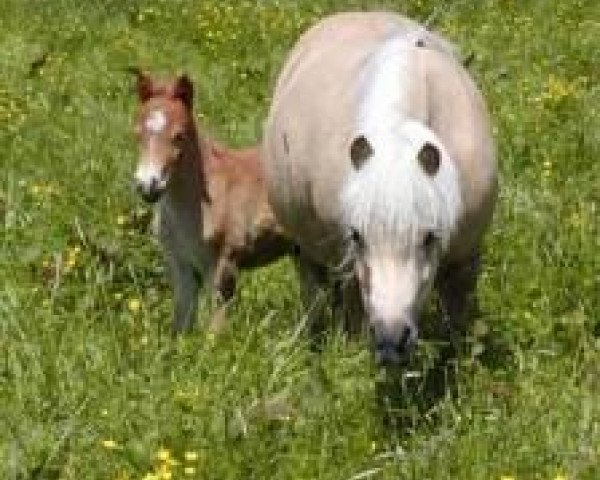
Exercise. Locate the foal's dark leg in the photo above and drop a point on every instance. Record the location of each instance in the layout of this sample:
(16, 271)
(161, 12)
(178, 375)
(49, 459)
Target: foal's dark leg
(456, 286)
(186, 284)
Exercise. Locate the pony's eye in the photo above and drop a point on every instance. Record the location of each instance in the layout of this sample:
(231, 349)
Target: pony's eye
(356, 238)
(429, 241)
(179, 138)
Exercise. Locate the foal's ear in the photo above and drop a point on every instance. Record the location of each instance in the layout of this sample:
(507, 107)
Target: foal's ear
(144, 84)
(429, 157)
(184, 90)
(360, 151)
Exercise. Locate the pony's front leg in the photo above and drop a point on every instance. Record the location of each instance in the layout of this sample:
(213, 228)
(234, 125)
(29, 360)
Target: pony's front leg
(186, 283)
(456, 286)
(348, 306)
(313, 291)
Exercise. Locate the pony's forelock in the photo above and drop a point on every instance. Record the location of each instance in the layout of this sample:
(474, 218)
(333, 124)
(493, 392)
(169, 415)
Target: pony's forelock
(391, 199)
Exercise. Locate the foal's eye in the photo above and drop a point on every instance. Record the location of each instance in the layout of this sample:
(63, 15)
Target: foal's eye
(429, 241)
(179, 138)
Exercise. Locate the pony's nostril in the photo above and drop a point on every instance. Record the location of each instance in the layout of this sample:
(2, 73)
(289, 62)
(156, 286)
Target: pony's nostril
(387, 353)
(405, 338)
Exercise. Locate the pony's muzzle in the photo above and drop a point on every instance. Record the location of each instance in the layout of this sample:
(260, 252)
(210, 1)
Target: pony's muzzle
(392, 349)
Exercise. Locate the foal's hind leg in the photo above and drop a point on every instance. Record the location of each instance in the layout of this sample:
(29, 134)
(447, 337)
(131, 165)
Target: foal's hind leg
(224, 282)
(456, 286)
(186, 283)
(313, 290)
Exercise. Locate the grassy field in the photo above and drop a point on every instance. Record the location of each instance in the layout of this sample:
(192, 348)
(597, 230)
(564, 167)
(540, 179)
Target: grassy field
(92, 386)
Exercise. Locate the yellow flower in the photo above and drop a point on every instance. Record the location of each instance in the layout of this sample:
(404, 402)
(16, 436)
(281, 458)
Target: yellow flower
(189, 470)
(150, 476)
(121, 219)
(507, 477)
(560, 477)
(163, 454)
(134, 305)
(164, 472)
(109, 444)
(190, 456)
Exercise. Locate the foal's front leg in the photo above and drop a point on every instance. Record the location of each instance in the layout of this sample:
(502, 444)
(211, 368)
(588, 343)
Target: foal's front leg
(186, 283)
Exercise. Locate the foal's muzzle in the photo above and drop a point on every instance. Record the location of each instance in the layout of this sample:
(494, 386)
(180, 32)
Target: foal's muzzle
(150, 190)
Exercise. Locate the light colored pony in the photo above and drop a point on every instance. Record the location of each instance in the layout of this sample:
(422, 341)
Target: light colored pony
(379, 157)
(212, 213)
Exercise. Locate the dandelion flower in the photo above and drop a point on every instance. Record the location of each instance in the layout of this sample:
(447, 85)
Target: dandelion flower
(109, 444)
(134, 305)
(190, 456)
(163, 454)
(189, 470)
(164, 472)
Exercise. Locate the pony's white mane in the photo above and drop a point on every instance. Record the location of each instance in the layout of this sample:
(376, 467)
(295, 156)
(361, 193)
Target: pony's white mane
(391, 197)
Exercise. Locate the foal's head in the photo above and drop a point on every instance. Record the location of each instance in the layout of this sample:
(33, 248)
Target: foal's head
(164, 129)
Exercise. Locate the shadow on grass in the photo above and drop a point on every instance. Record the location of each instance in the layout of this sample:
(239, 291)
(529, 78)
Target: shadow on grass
(414, 393)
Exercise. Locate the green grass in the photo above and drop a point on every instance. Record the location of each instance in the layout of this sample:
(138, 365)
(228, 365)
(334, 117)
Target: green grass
(79, 367)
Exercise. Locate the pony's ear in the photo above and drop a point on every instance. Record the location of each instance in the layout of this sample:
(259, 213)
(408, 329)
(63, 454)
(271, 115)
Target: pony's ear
(184, 90)
(429, 157)
(360, 151)
(144, 84)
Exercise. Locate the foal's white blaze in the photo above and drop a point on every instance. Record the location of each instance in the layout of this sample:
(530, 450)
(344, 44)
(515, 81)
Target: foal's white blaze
(150, 172)
(156, 121)
(391, 201)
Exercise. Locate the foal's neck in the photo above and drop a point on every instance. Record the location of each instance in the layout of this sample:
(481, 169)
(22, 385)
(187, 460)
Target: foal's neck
(188, 187)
